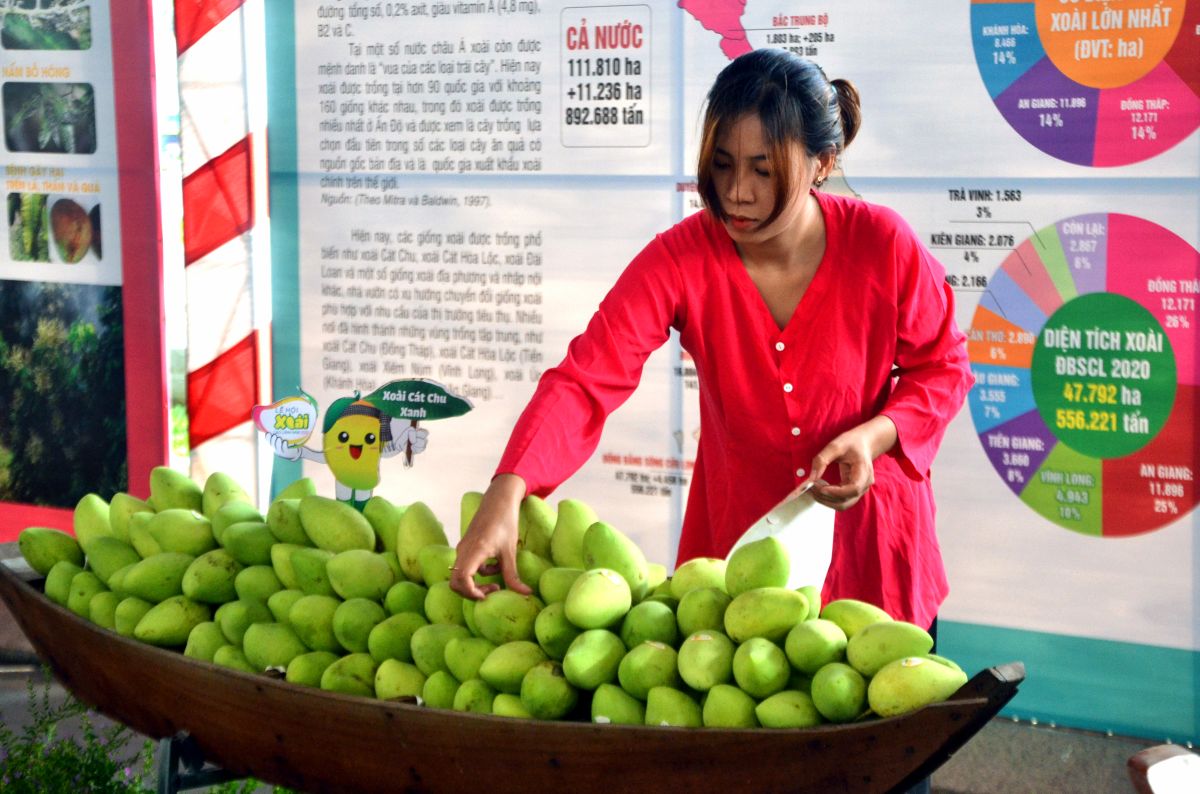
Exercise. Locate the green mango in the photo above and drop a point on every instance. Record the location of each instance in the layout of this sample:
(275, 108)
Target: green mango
(839, 692)
(418, 528)
(236, 617)
(592, 659)
(283, 520)
(271, 645)
(535, 526)
(705, 660)
(769, 612)
(211, 576)
(102, 609)
(232, 513)
(58, 581)
(656, 576)
(612, 705)
(468, 506)
(648, 665)
(221, 489)
(249, 542)
(298, 489)
(760, 563)
(117, 579)
(353, 621)
(530, 568)
(604, 546)
(697, 572)
(353, 674)
(875, 645)
(42, 547)
(434, 562)
(443, 605)
(280, 603)
(546, 693)
(649, 620)
(554, 633)
(464, 655)
(392, 637)
(257, 582)
(307, 668)
(702, 608)
(184, 531)
(312, 619)
(429, 645)
(812, 644)
(120, 508)
(335, 526)
(233, 658)
(384, 518)
(813, 595)
(310, 568)
(726, 706)
(599, 598)
(171, 489)
(788, 709)
(157, 577)
(853, 615)
(439, 690)
(760, 668)
(474, 696)
(506, 615)
(566, 541)
(84, 586)
(169, 623)
(555, 583)
(406, 597)
(90, 520)
(129, 613)
(281, 562)
(140, 537)
(506, 705)
(395, 679)
(108, 555)
(204, 640)
(907, 684)
(359, 573)
(668, 706)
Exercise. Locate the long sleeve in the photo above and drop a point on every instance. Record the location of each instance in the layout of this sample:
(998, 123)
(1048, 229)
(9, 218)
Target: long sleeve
(560, 427)
(933, 373)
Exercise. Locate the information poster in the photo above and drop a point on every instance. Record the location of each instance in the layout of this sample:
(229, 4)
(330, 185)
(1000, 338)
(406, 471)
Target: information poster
(470, 177)
(67, 301)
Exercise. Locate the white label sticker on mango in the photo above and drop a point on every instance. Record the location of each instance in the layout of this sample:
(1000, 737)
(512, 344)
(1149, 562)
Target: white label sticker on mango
(912, 661)
(293, 419)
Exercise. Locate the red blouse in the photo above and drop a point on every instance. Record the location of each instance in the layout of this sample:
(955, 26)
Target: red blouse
(874, 333)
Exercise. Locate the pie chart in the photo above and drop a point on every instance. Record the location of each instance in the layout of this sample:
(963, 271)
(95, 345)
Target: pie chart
(1087, 374)
(1090, 83)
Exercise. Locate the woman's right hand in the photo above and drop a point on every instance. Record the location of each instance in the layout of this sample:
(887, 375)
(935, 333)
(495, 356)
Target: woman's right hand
(492, 535)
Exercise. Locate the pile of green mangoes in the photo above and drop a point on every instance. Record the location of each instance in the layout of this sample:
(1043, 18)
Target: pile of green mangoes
(359, 603)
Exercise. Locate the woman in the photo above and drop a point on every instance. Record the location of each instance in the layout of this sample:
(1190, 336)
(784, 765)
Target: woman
(823, 335)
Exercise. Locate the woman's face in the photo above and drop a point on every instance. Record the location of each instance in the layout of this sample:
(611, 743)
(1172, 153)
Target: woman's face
(744, 177)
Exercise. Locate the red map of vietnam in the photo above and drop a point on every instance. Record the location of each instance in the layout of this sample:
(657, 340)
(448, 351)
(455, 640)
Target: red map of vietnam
(723, 17)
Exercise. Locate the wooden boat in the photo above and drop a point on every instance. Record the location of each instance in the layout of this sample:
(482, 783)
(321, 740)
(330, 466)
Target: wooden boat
(311, 740)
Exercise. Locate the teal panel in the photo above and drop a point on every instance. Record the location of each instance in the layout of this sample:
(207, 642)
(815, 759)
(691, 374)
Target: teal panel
(285, 256)
(1100, 685)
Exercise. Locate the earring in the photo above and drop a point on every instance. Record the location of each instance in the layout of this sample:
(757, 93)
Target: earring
(820, 181)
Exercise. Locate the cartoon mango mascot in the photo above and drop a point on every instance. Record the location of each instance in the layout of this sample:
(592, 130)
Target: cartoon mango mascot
(356, 436)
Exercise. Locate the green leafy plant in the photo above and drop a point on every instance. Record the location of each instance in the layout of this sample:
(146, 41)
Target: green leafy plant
(46, 25)
(50, 117)
(43, 757)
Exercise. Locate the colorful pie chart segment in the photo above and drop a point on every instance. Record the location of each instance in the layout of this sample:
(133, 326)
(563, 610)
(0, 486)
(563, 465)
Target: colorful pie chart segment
(1095, 84)
(1086, 376)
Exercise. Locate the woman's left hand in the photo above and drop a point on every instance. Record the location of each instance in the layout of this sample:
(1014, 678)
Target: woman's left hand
(854, 453)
